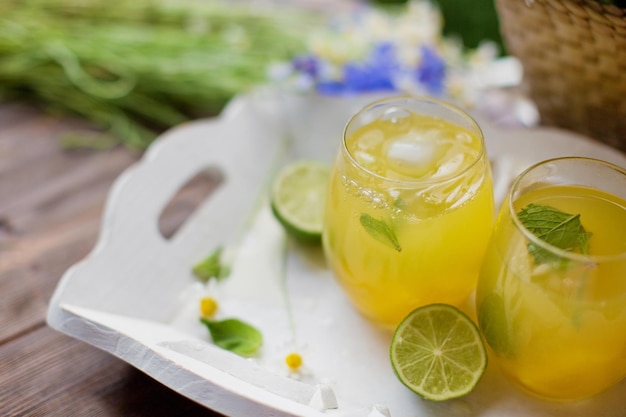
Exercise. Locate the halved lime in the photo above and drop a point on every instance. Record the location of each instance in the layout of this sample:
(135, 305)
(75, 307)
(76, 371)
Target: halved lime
(298, 195)
(437, 352)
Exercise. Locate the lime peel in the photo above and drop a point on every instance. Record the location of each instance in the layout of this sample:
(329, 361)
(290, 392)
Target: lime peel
(298, 195)
(438, 353)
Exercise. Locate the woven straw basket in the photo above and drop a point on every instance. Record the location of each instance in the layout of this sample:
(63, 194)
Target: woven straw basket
(574, 58)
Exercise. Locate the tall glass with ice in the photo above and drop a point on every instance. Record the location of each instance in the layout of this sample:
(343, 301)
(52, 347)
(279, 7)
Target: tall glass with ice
(409, 208)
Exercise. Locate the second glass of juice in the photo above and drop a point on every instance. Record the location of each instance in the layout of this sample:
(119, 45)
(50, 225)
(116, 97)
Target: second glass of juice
(551, 297)
(409, 208)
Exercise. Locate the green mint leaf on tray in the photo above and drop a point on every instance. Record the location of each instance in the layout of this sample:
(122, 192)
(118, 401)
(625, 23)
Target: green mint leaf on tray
(557, 228)
(211, 267)
(234, 335)
(380, 230)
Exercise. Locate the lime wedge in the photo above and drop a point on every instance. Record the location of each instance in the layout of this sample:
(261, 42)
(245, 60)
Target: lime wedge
(297, 197)
(437, 352)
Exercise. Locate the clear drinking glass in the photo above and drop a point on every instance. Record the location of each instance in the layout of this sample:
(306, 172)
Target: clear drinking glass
(409, 208)
(551, 297)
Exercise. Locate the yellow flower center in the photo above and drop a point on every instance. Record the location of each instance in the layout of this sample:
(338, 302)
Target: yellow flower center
(293, 361)
(208, 306)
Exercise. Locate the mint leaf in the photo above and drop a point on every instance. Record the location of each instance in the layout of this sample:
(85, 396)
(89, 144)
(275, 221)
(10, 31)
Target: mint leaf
(211, 267)
(380, 230)
(234, 335)
(557, 228)
(492, 317)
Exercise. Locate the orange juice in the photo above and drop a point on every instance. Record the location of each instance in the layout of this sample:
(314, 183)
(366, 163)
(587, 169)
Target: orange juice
(408, 216)
(558, 329)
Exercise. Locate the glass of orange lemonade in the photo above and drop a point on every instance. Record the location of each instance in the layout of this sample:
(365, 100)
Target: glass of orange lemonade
(551, 297)
(409, 207)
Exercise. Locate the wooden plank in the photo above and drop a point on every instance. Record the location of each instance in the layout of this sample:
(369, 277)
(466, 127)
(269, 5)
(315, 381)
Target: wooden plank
(37, 174)
(15, 113)
(29, 141)
(45, 373)
(80, 184)
(51, 205)
(31, 271)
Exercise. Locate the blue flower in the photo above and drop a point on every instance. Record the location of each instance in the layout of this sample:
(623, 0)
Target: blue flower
(376, 73)
(380, 71)
(431, 72)
(307, 64)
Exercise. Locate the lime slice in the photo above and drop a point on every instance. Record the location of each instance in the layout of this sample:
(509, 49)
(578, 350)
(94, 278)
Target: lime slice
(438, 353)
(298, 196)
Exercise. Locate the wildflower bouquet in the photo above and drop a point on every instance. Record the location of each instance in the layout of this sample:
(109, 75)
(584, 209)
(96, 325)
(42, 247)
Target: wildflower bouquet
(400, 50)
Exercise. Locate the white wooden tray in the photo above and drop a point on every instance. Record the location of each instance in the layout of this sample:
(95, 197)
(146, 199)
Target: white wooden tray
(135, 297)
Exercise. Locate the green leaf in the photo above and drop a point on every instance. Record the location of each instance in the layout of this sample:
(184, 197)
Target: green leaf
(557, 228)
(211, 267)
(234, 335)
(380, 231)
(493, 320)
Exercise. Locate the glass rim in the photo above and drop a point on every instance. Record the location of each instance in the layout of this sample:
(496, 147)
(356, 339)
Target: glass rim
(479, 157)
(562, 253)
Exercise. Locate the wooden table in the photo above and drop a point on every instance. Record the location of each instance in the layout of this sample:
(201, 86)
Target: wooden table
(51, 203)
